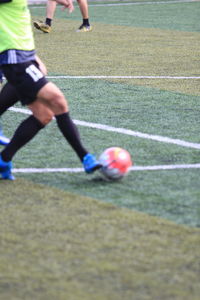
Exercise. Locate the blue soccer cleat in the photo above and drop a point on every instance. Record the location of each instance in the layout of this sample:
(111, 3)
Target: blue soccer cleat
(90, 163)
(5, 169)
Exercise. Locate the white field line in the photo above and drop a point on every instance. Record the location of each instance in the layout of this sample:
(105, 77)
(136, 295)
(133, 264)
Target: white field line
(144, 3)
(78, 170)
(48, 170)
(32, 5)
(126, 131)
(122, 77)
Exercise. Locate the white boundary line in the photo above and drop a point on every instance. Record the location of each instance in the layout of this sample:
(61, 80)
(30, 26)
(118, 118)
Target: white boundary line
(121, 77)
(165, 167)
(36, 5)
(48, 170)
(144, 3)
(78, 170)
(125, 131)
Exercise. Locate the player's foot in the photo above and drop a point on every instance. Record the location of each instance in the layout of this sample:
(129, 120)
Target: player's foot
(90, 163)
(5, 169)
(42, 26)
(3, 140)
(84, 28)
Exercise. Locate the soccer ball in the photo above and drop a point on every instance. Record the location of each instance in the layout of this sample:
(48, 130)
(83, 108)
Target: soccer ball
(115, 163)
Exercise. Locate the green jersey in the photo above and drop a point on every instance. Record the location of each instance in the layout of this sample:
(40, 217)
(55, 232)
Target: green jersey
(15, 26)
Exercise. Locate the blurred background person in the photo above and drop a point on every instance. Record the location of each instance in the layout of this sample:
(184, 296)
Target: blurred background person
(50, 11)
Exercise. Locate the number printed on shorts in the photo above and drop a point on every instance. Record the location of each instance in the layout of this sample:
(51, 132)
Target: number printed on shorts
(34, 72)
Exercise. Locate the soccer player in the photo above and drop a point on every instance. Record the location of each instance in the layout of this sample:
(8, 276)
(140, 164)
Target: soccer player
(25, 74)
(3, 140)
(50, 10)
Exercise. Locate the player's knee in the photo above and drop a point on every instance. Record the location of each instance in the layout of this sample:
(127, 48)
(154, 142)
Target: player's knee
(60, 103)
(46, 118)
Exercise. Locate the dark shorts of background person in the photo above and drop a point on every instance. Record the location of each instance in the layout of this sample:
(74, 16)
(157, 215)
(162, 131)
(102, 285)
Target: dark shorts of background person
(26, 78)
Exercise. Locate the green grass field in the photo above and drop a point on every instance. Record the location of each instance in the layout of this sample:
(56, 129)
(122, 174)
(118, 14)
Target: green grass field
(68, 235)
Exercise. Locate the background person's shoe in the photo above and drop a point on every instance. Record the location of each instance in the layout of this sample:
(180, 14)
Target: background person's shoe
(84, 28)
(42, 26)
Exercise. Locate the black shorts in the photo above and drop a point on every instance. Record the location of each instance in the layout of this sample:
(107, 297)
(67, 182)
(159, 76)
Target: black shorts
(26, 78)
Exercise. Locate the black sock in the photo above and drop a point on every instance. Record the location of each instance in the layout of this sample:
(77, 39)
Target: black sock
(24, 133)
(86, 22)
(70, 132)
(8, 97)
(48, 21)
